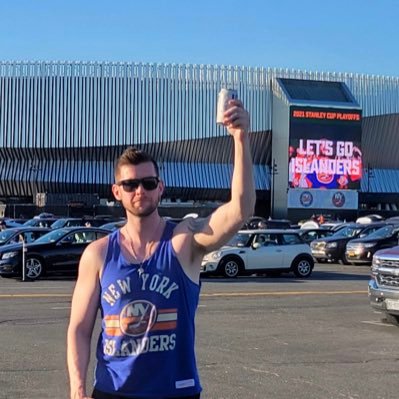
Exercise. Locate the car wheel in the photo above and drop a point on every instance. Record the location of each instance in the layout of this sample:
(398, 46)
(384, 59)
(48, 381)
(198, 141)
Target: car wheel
(302, 267)
(391, 319)
(34, 268)
(344, 260)
(231, 267)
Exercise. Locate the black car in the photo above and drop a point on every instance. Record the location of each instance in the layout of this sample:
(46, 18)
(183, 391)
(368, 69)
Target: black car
(16, 234)
(83, 221)
(58, 251)
(68, 222)
(111, 226)
(259, 222)
(10, 223)
(361, 250)
(333, 248)
(309, 235)
(40, 222)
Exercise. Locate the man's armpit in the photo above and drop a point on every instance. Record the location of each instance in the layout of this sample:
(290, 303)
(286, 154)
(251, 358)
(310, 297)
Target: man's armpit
(199, 226)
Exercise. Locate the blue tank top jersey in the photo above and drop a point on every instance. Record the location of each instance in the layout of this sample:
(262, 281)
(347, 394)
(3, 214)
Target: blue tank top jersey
(146, 346)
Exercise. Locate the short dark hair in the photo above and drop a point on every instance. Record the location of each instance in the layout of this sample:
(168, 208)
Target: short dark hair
(134, 156)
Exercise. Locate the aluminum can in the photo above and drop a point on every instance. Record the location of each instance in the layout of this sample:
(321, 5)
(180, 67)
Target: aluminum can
(224, 96)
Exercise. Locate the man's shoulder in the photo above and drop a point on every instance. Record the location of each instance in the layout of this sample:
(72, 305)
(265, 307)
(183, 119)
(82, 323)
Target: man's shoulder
(98, 248)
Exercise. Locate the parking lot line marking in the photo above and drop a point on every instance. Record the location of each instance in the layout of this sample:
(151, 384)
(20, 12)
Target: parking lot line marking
(377, 323)
(209, 295)
(282, 293)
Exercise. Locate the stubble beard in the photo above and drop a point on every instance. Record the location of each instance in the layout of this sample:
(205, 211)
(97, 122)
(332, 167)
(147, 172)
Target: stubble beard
(143, 212)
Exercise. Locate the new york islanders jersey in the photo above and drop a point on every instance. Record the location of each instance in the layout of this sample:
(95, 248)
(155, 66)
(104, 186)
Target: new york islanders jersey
(146, 346)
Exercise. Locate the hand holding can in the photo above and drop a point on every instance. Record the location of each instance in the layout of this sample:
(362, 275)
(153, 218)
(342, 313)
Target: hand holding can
(224, 96)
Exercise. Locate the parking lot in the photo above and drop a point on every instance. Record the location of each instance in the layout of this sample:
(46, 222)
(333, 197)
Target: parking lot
(257, 337)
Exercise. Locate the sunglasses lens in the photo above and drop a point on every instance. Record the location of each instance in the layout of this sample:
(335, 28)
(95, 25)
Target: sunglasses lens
(150, 183)
(130, 186)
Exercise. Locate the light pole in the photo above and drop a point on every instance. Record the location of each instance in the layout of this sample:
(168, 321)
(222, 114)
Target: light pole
(273, 173)
(35, 169)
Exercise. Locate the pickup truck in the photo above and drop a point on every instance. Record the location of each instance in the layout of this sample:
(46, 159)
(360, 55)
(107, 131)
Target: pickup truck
(383, 288)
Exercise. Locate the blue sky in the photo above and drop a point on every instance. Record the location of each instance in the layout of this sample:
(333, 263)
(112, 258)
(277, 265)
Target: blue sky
(343, 36)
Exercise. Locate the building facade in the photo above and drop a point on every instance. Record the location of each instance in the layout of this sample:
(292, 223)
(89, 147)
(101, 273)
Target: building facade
(63, 124)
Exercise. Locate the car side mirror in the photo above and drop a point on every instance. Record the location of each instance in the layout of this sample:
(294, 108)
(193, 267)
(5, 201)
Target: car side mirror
(256, 245)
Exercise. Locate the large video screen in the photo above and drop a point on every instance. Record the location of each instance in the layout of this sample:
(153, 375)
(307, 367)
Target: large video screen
(325, 148)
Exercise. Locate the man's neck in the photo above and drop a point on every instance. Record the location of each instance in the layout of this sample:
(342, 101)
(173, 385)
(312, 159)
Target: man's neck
(144, 229)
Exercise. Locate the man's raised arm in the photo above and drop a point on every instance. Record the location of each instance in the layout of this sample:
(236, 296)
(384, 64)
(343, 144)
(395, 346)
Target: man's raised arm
(222, 224)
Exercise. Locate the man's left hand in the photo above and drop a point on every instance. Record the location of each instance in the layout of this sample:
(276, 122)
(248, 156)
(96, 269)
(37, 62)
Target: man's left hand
(236, 119)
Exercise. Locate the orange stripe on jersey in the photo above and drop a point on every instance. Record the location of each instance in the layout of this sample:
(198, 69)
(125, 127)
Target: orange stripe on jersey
(113, 332)
(164, 325)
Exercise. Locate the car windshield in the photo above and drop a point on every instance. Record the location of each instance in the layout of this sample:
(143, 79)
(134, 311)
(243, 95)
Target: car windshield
(30, 222)
(5, 235)
(347, 232)
(52, 236)
(113, 225)
(58, 224)
(239, 240)
(383, 232)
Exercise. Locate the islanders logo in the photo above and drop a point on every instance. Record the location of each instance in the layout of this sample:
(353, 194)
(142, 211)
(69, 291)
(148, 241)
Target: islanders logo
(325, 178)
(137, 318)
(306, 199)
(338, 199)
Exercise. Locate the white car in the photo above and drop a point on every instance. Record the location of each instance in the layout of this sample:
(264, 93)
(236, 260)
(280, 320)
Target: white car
(266, 251)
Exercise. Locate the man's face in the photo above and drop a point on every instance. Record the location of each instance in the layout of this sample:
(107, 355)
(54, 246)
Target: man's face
(139, 202)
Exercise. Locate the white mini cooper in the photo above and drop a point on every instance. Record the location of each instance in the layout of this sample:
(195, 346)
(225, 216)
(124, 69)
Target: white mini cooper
(261, 251)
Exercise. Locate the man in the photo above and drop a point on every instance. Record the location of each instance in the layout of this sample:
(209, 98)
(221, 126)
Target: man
(145, 278)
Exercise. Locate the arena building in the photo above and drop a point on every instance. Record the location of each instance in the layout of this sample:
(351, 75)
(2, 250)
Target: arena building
(63, 124)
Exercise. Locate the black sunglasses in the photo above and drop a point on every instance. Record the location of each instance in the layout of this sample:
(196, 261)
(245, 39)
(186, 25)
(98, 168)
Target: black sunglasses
(148, 183)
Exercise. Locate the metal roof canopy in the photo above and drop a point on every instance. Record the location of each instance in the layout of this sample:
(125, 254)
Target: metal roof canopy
(315, 92)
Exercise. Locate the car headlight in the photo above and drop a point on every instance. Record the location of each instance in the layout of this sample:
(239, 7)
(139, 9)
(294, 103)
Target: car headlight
(8, 255)
(331, 245)
(216, 255)
(376, 261)
(369, 245)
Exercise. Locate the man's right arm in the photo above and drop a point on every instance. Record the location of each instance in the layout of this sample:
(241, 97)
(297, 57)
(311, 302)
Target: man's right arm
(85, 302)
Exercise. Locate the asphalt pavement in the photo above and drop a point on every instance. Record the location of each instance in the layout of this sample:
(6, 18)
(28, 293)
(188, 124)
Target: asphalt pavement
(257, 337)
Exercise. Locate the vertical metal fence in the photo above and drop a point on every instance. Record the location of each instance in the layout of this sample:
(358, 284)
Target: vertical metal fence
(59, 121)
(64, 105)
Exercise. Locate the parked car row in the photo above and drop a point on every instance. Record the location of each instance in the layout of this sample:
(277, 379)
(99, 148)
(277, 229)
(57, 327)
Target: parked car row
(333, 248)
(269, 251)
(57, 251)
(48, 220)
(355, 243)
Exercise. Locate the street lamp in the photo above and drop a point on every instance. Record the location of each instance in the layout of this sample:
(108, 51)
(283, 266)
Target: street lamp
(273, 173)
(35, 169)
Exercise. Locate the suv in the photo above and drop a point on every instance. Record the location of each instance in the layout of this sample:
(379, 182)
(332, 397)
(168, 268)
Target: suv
(361, 250)
(264, 250)
(383, 286)
(332, 248)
